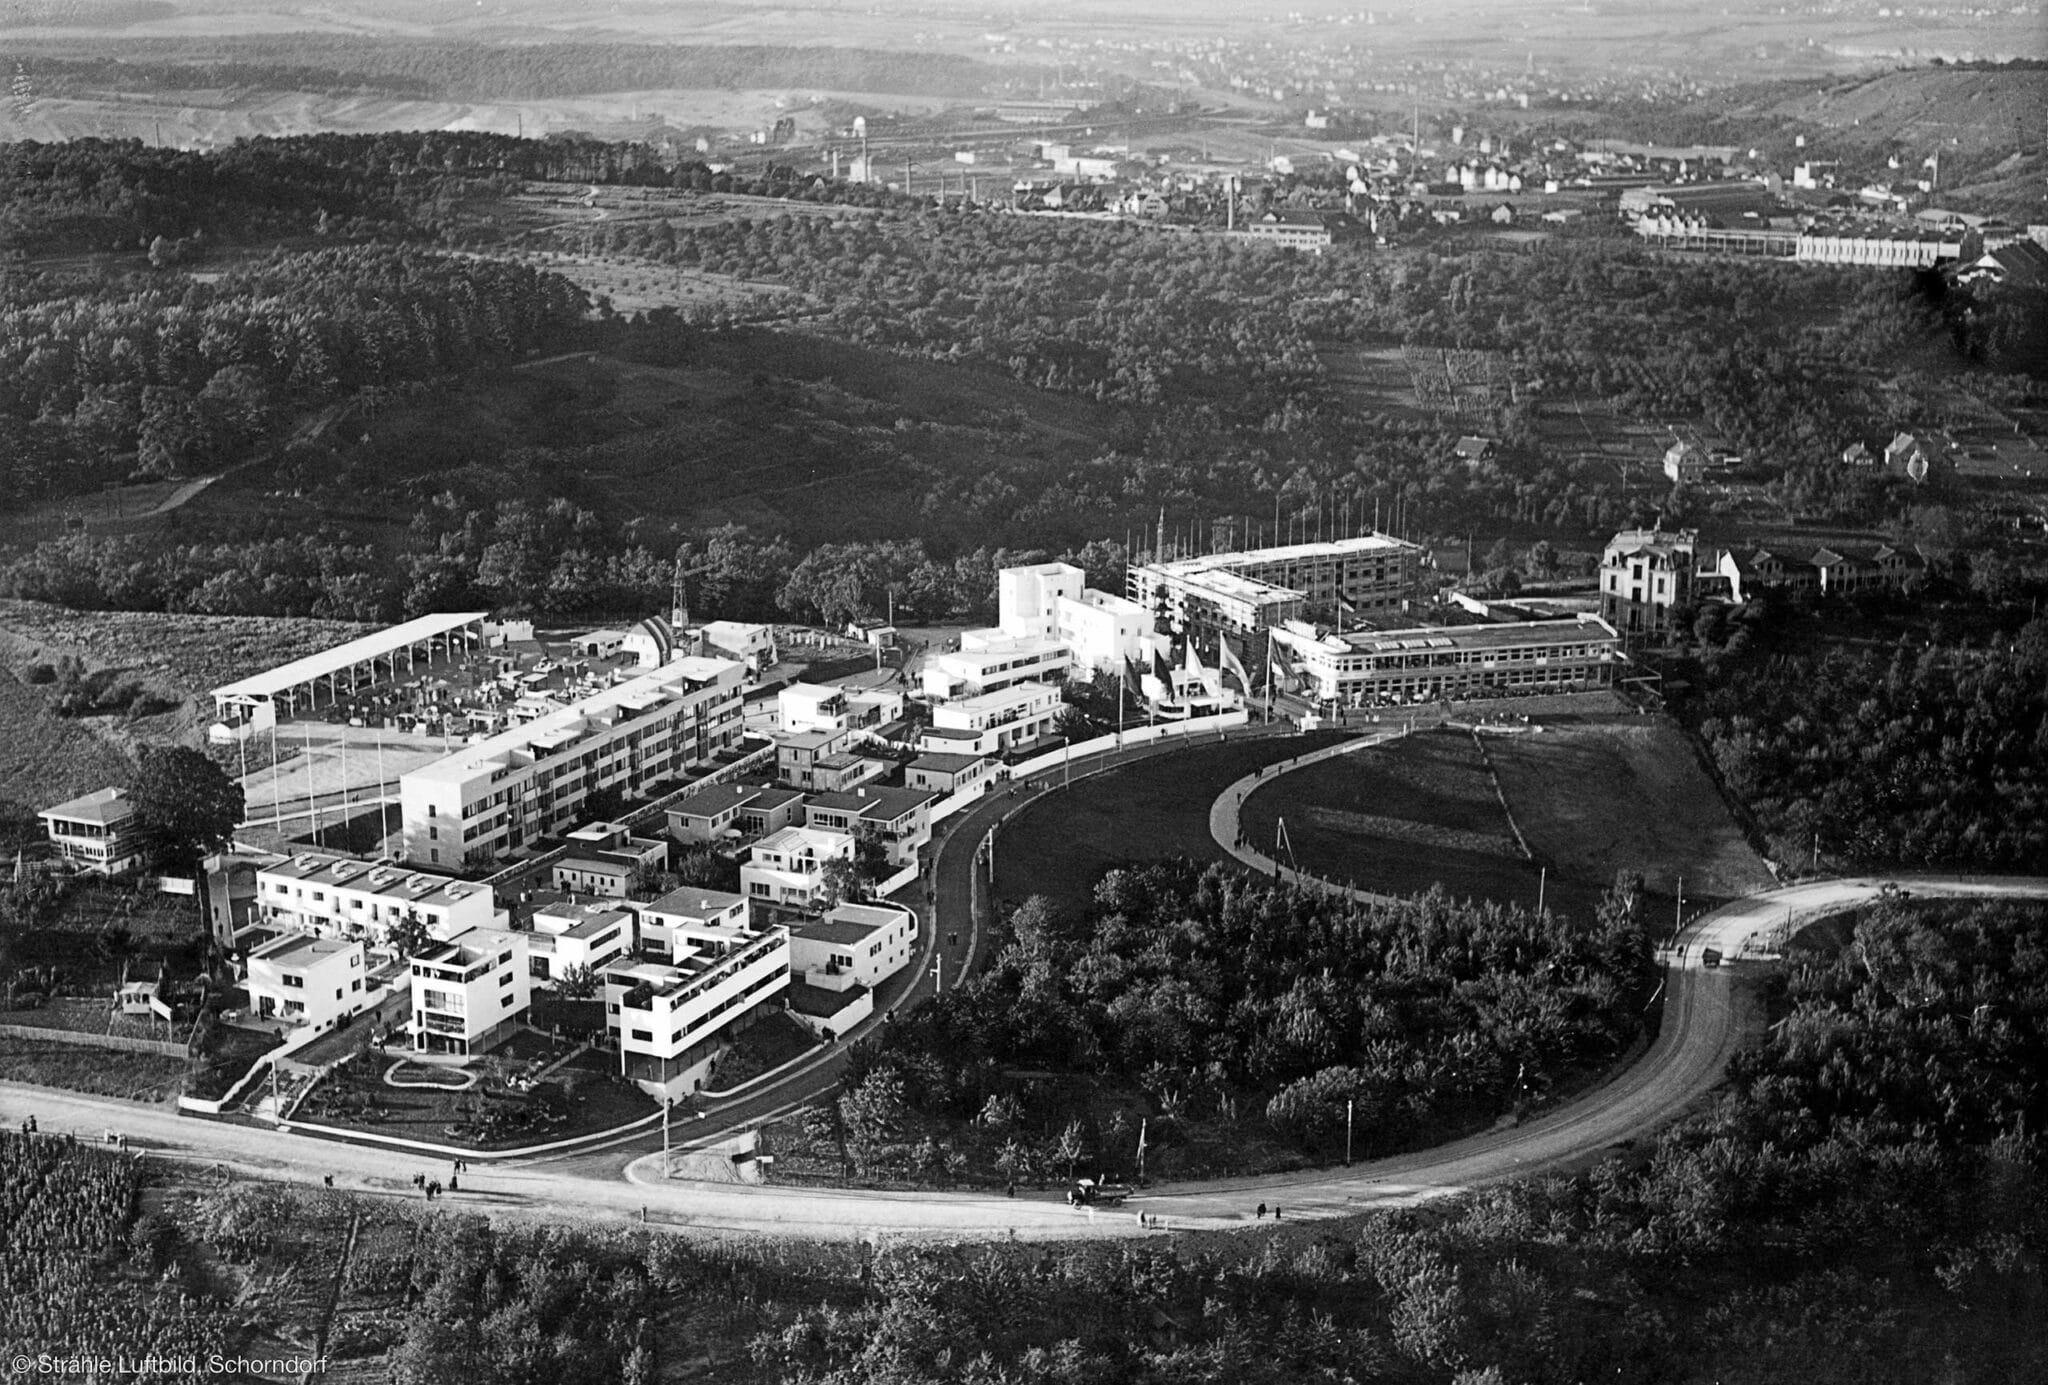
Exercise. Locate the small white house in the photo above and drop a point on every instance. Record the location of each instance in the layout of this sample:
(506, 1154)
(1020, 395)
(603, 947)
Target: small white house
(302, 978)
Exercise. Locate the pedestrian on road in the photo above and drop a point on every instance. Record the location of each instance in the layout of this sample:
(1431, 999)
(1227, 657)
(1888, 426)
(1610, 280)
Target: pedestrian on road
(452, 1185)
(32, 1126)
(1011, 1189)
(1276, 1211)
(1262, 1211)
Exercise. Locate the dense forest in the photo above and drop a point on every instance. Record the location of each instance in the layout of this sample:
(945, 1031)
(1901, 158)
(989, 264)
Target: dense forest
(1866, 1200)
(1236, 1000)
(182, 376)
(1932, 756)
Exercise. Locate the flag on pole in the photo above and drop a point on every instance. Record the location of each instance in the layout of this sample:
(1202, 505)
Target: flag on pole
(1232, 664)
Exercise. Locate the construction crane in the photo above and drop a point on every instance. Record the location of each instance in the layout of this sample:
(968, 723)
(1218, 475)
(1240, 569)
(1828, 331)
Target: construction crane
(679, 602)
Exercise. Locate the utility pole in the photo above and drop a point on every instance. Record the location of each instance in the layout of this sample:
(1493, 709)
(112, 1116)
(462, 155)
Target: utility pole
(1350, 1110)
(668, 1105)
(1542, 879)
(938, 976)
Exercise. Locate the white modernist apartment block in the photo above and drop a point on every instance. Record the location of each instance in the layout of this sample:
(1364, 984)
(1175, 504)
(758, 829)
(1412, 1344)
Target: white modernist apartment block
(564, 938)
(1432, 663)
(96, 832)
(304, 979)
(499, 794)
(668, 1016)
(993, 722)
(1051, 625)
(900, 819)
(1242, 593)
(787, 868)
(339, 896)
(468, 990)
(1104, 632)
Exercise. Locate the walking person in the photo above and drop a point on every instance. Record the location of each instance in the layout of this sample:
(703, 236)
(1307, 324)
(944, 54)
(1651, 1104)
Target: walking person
(1262, 1211)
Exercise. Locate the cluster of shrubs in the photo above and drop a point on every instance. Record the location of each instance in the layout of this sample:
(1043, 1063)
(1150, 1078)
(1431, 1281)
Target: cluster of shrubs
(83, 692)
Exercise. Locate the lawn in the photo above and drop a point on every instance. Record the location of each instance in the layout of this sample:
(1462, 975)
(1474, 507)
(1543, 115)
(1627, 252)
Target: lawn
(580, 1099)
(1625, 793)
(96, 1071)
(1149, 810)
(1593, 795)
(1398, 819)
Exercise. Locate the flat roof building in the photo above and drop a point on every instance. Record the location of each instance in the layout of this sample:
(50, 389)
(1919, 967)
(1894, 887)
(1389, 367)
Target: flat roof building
(468, 991)
(1243, 593)
(669, 1017)
(250, 704)
(787, 869)
(304, 979)
(497, 795)
(339, 896)
(1438, 663)
(994, 722)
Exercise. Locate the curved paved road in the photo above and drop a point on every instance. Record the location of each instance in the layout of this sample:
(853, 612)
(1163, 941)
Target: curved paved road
(1702, 1024)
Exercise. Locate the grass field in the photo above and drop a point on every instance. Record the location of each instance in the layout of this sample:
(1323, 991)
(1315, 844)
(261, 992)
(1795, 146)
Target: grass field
(95, 1071)
(1625, 794)
(1592, 796)
(1151, 810)
(1399, 819)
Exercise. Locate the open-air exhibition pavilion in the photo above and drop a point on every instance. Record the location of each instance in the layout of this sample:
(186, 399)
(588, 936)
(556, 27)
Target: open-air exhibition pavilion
(249, 705)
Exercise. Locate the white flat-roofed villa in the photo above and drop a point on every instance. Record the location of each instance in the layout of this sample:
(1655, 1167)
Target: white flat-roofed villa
(468, 991)
(304, 979)
(786, 869)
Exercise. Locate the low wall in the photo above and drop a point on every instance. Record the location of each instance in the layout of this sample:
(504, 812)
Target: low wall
(954, 802)
(78, 1038)
(260, 1069)
(1142, 735)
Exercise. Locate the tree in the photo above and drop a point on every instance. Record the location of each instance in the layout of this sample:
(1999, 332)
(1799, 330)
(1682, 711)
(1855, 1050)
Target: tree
(872, 1115)
(185, 807)
(408, 937)
(1070, 1146)
(576, 983)
(839, 882)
